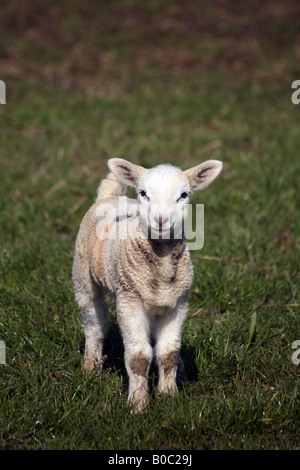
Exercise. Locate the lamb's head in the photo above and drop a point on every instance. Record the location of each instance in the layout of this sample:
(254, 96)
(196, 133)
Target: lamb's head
(164, 193)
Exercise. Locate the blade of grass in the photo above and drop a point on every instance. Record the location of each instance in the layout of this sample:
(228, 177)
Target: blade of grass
(252, 329)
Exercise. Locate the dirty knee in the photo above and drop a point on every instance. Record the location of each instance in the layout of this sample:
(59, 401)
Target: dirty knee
(139, 364)
(169, 361)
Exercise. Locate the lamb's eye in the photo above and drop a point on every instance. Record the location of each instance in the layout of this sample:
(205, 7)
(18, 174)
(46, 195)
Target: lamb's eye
(183, 196)
(143, 194)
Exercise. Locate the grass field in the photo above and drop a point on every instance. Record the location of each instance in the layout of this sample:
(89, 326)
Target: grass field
(154, 82)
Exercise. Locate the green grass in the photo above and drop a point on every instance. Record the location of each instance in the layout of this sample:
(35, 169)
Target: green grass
(169, 92)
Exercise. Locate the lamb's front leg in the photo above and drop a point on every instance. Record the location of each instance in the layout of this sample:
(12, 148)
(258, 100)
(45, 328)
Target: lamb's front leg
(134, 326)
(167, 349)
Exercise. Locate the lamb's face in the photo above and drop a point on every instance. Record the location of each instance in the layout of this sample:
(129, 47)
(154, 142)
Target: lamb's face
(163, 197)
(164, 192)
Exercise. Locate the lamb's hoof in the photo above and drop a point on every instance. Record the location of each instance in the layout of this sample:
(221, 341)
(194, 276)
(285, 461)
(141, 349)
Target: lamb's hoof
(138, 405)
(91, 363)
(171, 390)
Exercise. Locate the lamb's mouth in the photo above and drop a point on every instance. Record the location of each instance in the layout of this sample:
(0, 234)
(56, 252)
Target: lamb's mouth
(161, 232)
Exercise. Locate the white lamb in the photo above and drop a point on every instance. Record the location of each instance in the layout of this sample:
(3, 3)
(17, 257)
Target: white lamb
(131, 251)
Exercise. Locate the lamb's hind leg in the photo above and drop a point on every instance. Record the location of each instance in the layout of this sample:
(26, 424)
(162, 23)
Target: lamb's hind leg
(95, 322)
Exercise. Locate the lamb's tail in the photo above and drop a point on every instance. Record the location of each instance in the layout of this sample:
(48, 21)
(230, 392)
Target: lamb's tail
(110, 187)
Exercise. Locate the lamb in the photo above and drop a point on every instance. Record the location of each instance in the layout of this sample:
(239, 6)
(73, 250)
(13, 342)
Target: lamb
(136, 250)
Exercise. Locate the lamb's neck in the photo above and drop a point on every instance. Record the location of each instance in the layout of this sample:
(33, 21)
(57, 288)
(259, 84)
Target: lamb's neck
(167, 254)
(163, 248)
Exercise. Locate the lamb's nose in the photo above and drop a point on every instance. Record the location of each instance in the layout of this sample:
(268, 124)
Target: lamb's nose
(160, 220)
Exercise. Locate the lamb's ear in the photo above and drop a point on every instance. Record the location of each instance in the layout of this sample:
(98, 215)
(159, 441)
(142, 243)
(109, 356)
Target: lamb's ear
(126, 172)
(202, 175)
